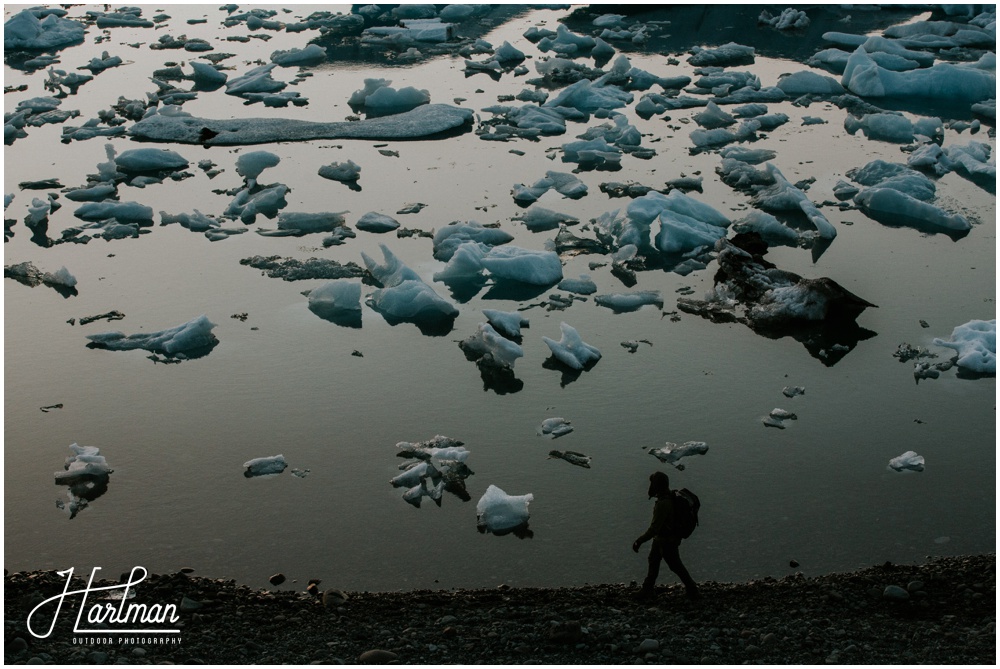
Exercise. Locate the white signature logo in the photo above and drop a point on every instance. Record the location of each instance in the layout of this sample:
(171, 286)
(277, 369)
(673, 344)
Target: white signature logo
(108, 613)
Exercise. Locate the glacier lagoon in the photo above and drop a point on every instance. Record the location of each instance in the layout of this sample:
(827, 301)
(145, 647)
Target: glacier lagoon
(335, 396)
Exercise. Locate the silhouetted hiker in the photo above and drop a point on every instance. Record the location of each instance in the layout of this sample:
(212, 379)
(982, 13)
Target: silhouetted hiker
(666, 535)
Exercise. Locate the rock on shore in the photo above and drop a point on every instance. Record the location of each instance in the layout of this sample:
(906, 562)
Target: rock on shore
(942, 612)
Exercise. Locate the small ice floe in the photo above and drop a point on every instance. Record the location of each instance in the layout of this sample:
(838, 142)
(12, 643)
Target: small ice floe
(377, 223)
(626, 302)
(713, 117)
(906, 352)
(566, 42)
(670, 452)
(632, 345)
(206, 75)
(807, 82)
(592, 154)
(788, 19)
(928, 370)
(907, 462)
(777, 418)
(188, 340)
(437, 466)
(121, 212)
(500, 513)
(267, 466)
(726, 55)
(770, 229)
(379, 98)
(347, 173)
(249, 165)
(784, 196)
(565, 184)
(251, 202)
(793, 391)
(975, 344)
(313, 54)
(744, 132)
(405, 297)
(257, 80)
(300, 473)
(507, 323)
(511, 263)
(86, 475)
(571, 350)
(539, 219)
(150, 160)
(26, 272)
(409, 32)
(555, 427)
(572, 457)
(486, 341)
(338, 302)
(583, 285)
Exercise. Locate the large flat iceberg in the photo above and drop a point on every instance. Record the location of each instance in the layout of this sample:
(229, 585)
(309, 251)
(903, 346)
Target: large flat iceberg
(424, 121)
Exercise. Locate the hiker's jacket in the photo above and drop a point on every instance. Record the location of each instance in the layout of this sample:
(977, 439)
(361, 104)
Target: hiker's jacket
(663, 520)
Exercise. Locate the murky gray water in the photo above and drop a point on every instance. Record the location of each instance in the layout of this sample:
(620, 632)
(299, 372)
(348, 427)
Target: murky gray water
(285, 381)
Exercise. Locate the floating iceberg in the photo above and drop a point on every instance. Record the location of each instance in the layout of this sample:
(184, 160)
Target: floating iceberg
(488, 342)
(624, 302)
(267, 466)
(447, 239)
(424, 121)
(405, 297)
(249, 165)
(583, 285)
(511, 263)
(571, 350)
(500, 513)
(975, 343)
(788, 19)
(807, 82)
(249, 202)
(723, 56)
(908, 461)
(944, 81)
(572, 457)
(25, 31)
(507, 323)
(150, 160)
(784, 196)
(539, 219)
(894, 207)
(86, 474)
(343, 172)
(337, 301)
(257, 80)
(187, 338)
(375, 222)
(556, 427)
(123, 212)
(563, 183)
(670, 453)
(313, 54)
(437, 465)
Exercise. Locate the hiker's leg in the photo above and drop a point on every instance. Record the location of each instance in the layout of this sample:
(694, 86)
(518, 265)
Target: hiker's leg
(655, 555)
(672, 556)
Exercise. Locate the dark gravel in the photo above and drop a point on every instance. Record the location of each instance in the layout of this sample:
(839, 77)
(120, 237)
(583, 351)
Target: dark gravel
(947, 616)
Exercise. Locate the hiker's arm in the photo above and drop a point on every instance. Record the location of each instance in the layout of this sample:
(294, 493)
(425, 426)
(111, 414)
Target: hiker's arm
(659, 516)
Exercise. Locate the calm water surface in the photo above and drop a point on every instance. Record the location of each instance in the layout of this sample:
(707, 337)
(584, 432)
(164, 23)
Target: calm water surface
(285, 381)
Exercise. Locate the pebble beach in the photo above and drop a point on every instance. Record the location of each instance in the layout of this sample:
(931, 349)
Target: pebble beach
(939, 612)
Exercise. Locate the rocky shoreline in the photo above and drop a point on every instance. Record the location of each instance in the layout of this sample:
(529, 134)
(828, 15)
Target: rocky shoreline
(941, 612)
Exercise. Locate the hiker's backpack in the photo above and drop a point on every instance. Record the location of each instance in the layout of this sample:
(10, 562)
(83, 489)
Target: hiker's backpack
(686, 505)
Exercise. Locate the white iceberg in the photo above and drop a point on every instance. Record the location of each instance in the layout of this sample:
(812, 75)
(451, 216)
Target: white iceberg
(343, 172)
(507, 323)
(195, 334)
(498, 512)
(405, 297)
(538, 219)
(976, 345)
(257, 80)
(908, 461)
(783, 196)
(249, 165)
(449, 238)
(582, 285)
(267, 466)
(487, 341)
(336, 296)
(85, 463)
(670, 452)
(623, 302)
(511, 263)
(150, 160)
(313, 54)
(556, 427)
(571, 350)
